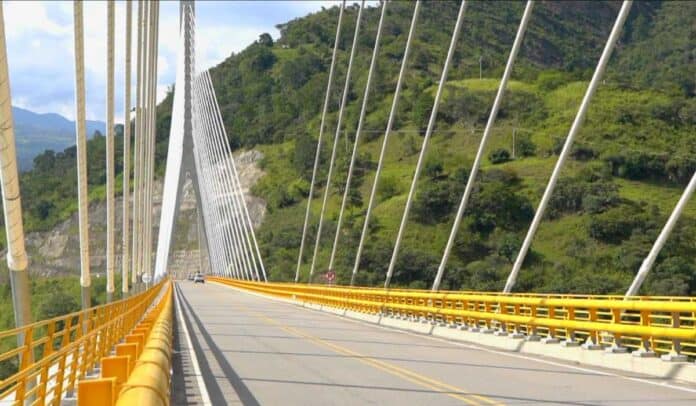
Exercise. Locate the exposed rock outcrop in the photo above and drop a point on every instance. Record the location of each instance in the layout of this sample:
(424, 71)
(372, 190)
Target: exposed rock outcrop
(56, 252)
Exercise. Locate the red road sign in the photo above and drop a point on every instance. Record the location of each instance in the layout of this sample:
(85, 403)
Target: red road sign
(330, 276)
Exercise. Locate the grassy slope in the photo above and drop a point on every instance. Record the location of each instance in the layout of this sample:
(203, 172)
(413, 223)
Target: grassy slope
(458, 150)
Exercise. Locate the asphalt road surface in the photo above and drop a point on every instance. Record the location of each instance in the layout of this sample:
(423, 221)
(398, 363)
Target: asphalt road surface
(253, 350)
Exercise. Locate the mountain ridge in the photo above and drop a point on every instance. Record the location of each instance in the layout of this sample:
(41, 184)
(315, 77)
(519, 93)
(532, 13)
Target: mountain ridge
(37, 132)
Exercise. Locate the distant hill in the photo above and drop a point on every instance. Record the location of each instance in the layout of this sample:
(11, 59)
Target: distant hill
(36, 132)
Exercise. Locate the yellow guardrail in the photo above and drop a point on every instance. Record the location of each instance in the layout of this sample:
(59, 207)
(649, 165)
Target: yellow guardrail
(149, 382)
(139, 373)
(58, 352)
(660, 324)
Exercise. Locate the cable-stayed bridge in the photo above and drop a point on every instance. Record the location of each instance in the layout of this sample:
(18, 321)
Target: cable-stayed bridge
(241, 338)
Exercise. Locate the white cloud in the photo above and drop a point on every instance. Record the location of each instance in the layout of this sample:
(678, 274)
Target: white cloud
(22, 17)
(41, 54)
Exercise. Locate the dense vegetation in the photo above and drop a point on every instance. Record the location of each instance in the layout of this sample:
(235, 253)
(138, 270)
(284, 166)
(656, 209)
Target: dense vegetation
(634, 155)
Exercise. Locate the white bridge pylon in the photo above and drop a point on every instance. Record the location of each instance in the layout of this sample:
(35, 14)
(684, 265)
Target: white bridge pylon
(199, 149)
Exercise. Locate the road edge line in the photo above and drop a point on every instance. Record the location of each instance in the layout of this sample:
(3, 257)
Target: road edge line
(202, 389)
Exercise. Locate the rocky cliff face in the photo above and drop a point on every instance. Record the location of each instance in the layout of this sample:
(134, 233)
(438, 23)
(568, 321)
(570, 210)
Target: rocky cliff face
(56, 252)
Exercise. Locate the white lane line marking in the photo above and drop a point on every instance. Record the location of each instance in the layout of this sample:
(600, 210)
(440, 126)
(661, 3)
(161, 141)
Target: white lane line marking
(205, 398)
(473, 346)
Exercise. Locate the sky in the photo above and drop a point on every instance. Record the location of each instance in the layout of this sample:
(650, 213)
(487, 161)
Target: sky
(39, 36)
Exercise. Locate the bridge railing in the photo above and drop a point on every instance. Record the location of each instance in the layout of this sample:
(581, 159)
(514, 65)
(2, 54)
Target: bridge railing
(139, 372)
(659, 324)
(56, 353)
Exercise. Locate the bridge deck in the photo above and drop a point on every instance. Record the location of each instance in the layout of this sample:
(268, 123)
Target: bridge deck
(254, 350)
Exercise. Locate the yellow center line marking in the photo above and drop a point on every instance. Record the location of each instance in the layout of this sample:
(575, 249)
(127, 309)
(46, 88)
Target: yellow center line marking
(406, 374)
(413, 377)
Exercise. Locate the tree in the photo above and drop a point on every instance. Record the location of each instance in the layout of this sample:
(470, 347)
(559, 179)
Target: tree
(499, 156)
(259, 58)
(525, 147)
(303, 155)
(508, 246)
(421, 110)
(434, 201)
(616, 224)
(498, 205)
(265, 39)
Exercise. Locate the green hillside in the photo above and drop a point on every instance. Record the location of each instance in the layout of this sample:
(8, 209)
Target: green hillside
(630, 163)
(631, 160)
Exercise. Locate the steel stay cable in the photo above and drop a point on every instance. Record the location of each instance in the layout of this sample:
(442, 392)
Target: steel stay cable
(361, 121)
(147, 207)
(139, 144)
(484, 140)
(649, 260)
(390, 123)
(230, 259)
(147, 29)
(231, 163)
(125, 235)
(221, 189)
(223, 182)
(221, 253)
(210, 223)
(136, 148)
(208, 216)
(317, 154)
(225, 195)
(224, 178)
(231, 170)
(234, 241)
(81, 149)
(567, 146)
(153, 135)
(223, 157)
(110, 160)
(341, 110)
(146, 131)
(211, 218)
(426, 138)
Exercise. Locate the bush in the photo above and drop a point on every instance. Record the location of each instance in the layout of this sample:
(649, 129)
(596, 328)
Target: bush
(573, 195)
(583, 152)
(525, 147)
(675, 276)
(680, 169)
(433, 168)
(389, 187)
(497, 204)
(499, 156)
(639, 165)
(508, 246)
(434, 201)
(552, 79)
(616, 224)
